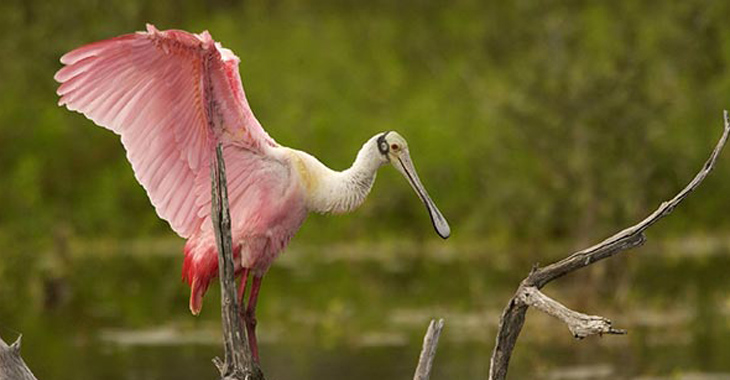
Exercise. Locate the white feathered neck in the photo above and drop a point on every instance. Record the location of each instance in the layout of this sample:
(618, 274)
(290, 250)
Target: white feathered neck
(330, 191)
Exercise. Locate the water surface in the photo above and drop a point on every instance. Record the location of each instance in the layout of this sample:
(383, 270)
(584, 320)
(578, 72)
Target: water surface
(360, 311)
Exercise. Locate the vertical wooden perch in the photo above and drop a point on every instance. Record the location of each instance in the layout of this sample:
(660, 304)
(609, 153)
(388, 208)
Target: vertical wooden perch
(238, 363)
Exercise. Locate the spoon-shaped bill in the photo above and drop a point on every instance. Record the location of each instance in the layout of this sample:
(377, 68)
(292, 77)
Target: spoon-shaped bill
(405, 166)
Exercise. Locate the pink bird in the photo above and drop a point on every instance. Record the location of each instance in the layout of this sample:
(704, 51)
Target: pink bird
(171, 96)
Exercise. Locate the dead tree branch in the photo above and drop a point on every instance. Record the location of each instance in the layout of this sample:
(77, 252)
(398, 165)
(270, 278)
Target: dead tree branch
(428, 352)
(238, 363)
(581, 325)
(12, 366)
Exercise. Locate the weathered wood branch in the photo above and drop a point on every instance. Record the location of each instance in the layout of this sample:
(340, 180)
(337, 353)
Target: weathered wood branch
(528, 294)
(238, 363)
(12, 366)
(428, 352)
(580, 325)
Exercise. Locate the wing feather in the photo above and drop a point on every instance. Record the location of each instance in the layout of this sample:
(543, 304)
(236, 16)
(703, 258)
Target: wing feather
(155, 89)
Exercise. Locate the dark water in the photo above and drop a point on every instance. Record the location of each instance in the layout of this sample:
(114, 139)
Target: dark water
(359, 312)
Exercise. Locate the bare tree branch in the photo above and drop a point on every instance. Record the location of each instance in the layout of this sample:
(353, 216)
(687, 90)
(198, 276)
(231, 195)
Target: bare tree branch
(528, 294)
(12, 366)
(238, 363)
(580, 325)
(428, 352)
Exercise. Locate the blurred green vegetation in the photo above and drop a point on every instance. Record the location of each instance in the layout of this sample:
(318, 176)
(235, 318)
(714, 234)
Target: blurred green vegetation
(529, 121)
(534, 124)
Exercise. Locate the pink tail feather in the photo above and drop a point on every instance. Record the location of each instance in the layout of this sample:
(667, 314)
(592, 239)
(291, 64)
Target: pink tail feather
(200, 267)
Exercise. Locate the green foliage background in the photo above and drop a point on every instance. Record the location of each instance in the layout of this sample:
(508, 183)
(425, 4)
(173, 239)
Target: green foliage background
(534, 124)
(529, 121)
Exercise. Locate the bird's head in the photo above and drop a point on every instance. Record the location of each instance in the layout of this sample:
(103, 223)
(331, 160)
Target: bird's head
(393, 148)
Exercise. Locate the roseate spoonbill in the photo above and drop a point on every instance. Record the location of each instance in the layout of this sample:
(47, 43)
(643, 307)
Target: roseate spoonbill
(172, 96)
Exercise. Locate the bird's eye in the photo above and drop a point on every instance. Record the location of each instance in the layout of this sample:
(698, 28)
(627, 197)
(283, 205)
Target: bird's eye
(394, 147)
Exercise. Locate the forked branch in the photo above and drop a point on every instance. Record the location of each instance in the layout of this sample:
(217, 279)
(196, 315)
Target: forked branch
(581, 325)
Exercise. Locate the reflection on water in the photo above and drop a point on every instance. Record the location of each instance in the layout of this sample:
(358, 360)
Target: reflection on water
(359, 312)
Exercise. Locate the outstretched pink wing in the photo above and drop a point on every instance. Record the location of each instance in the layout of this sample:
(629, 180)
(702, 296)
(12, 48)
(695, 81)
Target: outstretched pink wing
(157, 90)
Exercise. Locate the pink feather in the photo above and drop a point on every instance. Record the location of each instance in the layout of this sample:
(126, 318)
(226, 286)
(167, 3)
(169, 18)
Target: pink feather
(154, 88)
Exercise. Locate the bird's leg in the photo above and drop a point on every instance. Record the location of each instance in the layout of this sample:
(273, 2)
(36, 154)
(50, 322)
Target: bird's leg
(242, 289)
(250, 316)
